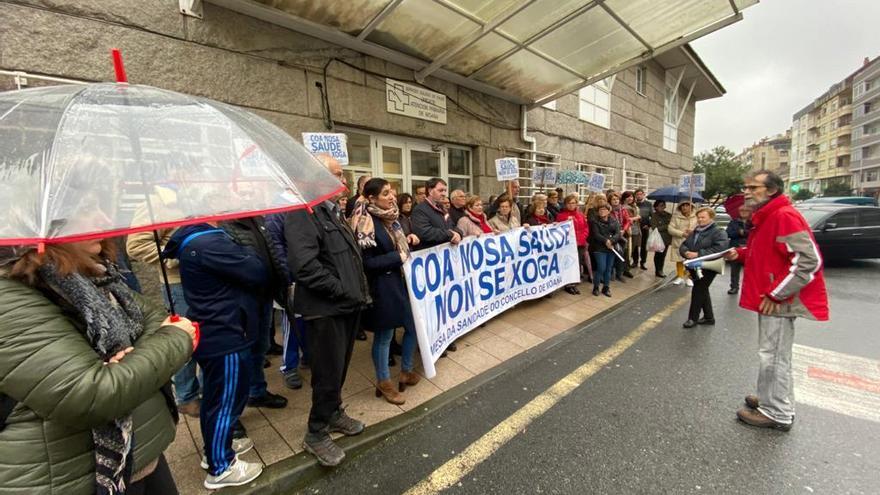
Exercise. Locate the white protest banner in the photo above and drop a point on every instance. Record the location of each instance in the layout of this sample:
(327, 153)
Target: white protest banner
(327, 143)
(506, 168)
(455, 288)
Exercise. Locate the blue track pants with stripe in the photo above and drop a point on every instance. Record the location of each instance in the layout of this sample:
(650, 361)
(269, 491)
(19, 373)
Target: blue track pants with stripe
(225, 384)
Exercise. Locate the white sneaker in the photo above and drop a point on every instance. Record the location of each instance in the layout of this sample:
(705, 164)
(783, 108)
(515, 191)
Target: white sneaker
(689, 283)
(239, 446)
(678, 281)
(237, 474)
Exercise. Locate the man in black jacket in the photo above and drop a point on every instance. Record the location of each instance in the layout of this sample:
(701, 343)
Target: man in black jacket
(331, 289)
(646, 209)
(430, 222)
(457, 201)
(738, 234)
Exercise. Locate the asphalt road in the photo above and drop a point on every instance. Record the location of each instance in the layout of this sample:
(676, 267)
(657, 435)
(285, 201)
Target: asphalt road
(660, 418)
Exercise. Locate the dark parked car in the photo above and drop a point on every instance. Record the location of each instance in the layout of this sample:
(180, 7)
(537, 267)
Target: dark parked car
(844, 232)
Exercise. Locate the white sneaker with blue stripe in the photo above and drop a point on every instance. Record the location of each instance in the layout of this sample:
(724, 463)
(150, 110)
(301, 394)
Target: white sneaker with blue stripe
(239, 445)
(237, 474)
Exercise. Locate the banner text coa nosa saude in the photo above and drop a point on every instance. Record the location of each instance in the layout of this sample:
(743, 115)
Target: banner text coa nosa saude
(455, 288)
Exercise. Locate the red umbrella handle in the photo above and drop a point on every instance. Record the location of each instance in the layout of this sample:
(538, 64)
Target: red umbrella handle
(118, 66)
(198, 331)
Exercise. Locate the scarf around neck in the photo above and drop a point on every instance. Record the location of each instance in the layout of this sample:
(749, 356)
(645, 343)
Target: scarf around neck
(479, 220)
(365, 227)
(113, 321)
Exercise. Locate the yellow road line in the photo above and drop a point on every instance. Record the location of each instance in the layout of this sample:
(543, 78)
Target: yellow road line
(459, 466)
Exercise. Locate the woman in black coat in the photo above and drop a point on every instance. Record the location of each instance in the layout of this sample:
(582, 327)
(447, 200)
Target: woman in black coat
(385, 248)
(706, 239)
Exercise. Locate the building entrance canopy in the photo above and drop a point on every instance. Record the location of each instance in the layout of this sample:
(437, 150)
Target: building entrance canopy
(524, 51)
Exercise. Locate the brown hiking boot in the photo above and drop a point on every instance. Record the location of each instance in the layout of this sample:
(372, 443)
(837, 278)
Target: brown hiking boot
(386, 389)
(408, 378)
(752, 401)
(345, 424)
(754, 417)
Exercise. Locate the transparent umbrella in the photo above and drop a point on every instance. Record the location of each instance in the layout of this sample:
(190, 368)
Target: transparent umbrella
(79, 162)
(103, 160)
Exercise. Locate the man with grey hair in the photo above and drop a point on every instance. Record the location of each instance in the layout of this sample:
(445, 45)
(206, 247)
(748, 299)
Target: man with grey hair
(782, 280)
(457, 201)
(330, 292)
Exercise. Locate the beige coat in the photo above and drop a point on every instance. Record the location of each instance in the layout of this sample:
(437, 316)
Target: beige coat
(468, 227)
(677, 228)
(500, 225)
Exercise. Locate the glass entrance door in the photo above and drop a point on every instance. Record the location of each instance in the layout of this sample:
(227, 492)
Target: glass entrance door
(424, 163)
(390, 166)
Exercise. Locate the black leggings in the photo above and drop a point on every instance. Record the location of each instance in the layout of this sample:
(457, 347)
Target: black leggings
(159, 481)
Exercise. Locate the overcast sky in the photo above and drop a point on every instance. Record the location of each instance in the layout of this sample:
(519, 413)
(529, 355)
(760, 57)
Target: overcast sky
(778, 59)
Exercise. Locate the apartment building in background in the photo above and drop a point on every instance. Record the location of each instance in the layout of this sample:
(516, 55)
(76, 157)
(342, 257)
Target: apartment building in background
(770, 153)
(865, 157)
(821, 139)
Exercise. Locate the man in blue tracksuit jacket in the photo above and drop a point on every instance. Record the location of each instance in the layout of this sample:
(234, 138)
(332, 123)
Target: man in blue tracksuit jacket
(220, 281)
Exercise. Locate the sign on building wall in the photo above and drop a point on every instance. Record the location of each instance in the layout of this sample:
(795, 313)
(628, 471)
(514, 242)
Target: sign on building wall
(506, 169)
(414, 101)
(456, 288)
(327, 143)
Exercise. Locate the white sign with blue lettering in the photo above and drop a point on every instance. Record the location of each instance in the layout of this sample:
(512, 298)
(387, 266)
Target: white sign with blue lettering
(327, 143)
(699, 182)
(506, 168)
(596, 182)
(456, 288)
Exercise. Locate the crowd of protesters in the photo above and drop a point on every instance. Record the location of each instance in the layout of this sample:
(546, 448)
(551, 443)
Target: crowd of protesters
(333, 272)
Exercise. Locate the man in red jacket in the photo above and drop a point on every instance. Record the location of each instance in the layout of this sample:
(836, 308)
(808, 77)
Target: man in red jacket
(782, 281)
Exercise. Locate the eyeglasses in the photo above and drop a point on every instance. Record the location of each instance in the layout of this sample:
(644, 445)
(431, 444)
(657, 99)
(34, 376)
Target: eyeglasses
(752, 188)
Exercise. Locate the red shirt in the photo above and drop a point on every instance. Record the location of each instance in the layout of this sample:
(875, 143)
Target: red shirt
(581, 228)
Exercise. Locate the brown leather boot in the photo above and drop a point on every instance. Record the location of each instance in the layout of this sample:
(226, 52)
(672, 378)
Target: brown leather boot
(386, 389)
(752, 401)
(408, 378)
(755, 418)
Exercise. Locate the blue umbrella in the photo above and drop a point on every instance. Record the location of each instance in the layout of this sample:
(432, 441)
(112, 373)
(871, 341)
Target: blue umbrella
(671, 194)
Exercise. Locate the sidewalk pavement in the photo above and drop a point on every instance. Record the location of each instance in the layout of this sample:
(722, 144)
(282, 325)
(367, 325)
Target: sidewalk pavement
(278, 433)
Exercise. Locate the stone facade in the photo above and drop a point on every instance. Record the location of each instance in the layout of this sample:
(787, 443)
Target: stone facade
(273, 72)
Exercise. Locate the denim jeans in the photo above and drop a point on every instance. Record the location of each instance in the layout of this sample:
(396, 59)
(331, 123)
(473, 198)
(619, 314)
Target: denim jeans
(382, 348)
(294, 342)
(604, 264)
(258, 352)
(186, 384)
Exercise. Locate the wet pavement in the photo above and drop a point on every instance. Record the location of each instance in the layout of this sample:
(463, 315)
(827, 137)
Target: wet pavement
(660, 417)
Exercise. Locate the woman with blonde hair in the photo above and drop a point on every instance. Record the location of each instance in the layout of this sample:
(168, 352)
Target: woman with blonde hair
(705, 239)
(474, 223)
(680, 227)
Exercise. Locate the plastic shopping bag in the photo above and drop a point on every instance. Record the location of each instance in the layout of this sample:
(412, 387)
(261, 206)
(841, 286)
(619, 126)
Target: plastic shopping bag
(655, 241)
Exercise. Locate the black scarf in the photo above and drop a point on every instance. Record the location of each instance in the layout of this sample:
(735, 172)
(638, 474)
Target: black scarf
(113, 322)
